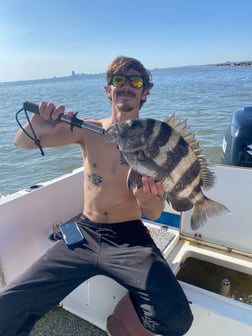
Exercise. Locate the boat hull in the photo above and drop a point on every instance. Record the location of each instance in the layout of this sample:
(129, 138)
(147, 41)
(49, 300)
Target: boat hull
(27, 218)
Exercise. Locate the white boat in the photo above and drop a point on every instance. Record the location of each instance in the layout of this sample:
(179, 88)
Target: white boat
(213, 264)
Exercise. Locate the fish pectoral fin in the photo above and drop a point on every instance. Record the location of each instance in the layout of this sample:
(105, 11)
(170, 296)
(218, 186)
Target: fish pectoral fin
(180, 204)
(134, 179)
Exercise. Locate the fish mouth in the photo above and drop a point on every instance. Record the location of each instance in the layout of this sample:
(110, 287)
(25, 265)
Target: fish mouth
(131, 149)
(115, 131)
(126, 143)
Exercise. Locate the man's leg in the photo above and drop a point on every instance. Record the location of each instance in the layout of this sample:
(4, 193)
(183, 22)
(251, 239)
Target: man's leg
(124, 320)
(41, 287)
(158, 300)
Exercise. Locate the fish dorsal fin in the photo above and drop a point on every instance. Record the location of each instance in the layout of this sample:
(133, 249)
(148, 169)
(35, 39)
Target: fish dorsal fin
(180, 126)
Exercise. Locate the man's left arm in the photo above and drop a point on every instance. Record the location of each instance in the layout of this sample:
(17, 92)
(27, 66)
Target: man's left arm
(149, 197)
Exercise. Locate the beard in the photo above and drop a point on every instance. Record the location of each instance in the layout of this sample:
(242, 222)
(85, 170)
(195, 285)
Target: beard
(125, 105)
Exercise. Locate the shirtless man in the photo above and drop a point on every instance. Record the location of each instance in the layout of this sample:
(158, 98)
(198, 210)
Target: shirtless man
(116, 242)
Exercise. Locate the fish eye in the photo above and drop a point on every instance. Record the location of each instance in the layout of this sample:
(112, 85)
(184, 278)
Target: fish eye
(135, 124)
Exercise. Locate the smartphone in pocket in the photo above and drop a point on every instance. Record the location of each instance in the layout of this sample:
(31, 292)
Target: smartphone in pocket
(71, 233)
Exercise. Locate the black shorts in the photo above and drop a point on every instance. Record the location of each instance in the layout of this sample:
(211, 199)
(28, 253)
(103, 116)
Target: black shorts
(124, 252)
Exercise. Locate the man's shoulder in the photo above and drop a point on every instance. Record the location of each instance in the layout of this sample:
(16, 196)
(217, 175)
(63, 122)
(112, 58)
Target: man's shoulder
(99, 122)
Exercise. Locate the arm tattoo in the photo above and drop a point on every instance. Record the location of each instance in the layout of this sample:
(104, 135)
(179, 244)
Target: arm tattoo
(95, 179)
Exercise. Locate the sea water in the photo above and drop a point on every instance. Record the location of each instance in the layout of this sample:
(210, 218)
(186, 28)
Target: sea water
(205, 95)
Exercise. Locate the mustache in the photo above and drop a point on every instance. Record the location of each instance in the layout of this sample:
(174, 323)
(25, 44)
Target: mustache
(126, 93)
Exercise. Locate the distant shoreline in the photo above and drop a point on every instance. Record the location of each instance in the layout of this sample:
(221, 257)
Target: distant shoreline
(61, 78)
(83, 75)
(244, 63)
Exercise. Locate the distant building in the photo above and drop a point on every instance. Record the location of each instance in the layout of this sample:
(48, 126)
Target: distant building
(73, 73)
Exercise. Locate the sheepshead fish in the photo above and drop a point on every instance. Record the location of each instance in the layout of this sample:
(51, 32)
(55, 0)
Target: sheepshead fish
(169, 152)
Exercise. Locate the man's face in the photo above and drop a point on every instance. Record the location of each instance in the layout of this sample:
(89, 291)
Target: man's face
(126, 98)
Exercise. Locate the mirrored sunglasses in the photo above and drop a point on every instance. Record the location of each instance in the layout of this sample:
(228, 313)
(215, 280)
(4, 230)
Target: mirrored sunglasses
(136, 81)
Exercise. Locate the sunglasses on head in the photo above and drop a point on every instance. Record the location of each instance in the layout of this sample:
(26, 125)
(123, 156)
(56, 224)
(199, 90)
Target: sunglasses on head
(136, 81)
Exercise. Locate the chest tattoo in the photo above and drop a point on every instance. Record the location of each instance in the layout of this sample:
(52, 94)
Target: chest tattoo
(95, 179)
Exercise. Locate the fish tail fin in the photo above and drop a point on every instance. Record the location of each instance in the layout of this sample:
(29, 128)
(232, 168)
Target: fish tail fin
(205, 209)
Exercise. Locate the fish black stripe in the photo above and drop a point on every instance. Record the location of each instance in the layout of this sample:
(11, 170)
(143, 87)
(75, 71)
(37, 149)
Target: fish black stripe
(150, 127)
(174, 156)
(187, 179)
(163, 136)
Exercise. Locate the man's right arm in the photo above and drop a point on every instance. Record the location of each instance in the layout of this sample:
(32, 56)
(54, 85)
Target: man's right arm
(50, 131)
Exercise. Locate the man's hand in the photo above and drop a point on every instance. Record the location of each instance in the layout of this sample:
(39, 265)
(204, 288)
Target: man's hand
(49, 130)
(149, 197)
(49, 111)
(149, 189)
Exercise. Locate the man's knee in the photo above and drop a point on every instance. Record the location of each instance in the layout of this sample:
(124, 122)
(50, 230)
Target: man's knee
(173, 320)
(176, 324)
(124, 320)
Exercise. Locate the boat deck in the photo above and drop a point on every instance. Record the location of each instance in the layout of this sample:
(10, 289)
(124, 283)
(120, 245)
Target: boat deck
(60, 322)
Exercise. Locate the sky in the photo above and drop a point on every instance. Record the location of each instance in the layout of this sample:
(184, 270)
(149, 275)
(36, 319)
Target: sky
(43, 39)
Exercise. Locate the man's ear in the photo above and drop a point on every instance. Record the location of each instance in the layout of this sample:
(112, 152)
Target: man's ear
(108, 90)
(145, 94)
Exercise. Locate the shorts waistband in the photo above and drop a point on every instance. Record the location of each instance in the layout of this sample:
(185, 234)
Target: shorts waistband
(113, 226)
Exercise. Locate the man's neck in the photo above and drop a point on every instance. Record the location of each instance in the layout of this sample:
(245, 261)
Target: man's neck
(118, 115)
